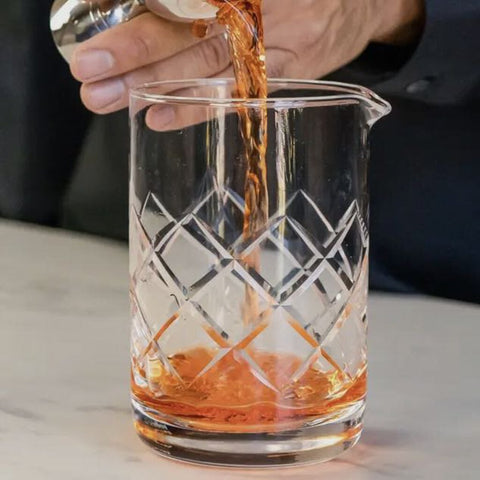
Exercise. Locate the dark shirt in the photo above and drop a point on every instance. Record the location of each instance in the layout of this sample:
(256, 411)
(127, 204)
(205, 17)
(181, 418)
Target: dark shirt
(425, 165)
(424, 172)
(42, 122)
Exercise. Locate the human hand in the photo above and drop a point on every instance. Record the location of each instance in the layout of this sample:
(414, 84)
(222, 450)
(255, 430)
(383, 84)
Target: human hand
(304, 39)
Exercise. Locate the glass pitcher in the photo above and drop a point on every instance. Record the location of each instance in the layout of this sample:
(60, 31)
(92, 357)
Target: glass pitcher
(237, 362)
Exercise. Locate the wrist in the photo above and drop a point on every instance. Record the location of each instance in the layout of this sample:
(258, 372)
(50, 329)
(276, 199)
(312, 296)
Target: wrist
(398, 22)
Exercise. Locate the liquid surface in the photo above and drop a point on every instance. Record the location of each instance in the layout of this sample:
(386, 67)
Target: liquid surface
(230, 396)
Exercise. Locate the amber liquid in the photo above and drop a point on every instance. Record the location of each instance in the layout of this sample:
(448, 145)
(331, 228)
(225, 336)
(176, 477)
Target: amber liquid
(229, 396)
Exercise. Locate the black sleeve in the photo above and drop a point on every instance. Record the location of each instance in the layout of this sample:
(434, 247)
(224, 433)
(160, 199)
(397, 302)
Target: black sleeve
(443, 68)
(43, 123)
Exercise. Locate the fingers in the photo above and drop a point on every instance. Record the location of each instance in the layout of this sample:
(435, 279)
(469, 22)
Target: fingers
(205, 59)
(144, 40)
(163, 118)
(149, 49)
(167, 117)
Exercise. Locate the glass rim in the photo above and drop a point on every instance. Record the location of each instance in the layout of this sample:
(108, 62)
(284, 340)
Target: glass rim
(347, 93)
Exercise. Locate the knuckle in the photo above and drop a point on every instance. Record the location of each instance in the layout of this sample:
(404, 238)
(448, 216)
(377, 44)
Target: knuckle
(311, 35)
(141, 48)
(276, 70)
(214, 54)
(277, 66)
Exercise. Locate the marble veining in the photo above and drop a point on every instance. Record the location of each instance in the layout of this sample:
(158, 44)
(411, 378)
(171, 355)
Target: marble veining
(64, 407)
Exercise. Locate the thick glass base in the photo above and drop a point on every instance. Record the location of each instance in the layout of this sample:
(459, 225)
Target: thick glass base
(317, 441)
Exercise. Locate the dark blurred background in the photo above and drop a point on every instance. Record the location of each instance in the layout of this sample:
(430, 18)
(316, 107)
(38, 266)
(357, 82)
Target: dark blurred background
(64, 167)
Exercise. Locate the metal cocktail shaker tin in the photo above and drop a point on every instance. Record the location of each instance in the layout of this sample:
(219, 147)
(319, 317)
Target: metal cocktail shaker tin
(74, 21)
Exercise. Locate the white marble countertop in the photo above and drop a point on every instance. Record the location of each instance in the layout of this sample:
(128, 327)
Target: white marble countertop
(64, 407)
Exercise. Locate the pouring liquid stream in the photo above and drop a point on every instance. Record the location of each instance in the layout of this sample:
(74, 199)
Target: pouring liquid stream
(244, 25)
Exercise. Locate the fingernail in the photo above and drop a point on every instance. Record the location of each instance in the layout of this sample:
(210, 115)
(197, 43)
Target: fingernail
(93, 63)
(159, 118)
(102, 94)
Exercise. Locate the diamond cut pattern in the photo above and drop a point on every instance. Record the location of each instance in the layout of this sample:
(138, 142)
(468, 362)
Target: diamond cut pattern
(188, 331)
(222, 213)
(145, 348)
(189, 244)
(154, 217)
(226, 309)
(280, 337)
(190, 278)
(154, 297)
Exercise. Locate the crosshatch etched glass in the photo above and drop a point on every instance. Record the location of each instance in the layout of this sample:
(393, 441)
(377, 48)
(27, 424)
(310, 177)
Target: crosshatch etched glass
(249, 350)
